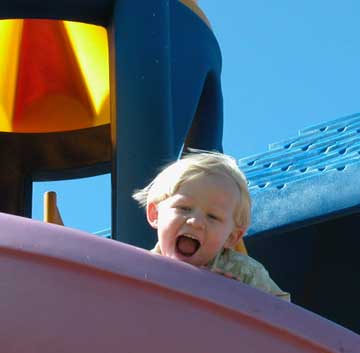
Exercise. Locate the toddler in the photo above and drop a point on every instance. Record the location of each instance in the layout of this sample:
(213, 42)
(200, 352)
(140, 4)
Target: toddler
(200, 206)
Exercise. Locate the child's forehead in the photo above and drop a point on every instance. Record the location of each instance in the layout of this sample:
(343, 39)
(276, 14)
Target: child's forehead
(207, 183)
(217, 194)
(208, 176)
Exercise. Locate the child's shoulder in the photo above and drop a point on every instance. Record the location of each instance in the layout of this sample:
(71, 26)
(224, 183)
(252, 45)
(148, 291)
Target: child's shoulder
(235, 265)
(247, 270)
(236, 258)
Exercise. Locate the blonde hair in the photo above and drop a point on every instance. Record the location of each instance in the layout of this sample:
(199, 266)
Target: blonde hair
(194, 164)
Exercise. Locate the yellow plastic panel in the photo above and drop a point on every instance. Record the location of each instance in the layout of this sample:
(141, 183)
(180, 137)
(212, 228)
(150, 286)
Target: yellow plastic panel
(91, 49)
(49, 81)
(54, 76)
(10, 34)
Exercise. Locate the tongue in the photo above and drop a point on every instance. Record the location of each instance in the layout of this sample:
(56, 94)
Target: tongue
(187, 246)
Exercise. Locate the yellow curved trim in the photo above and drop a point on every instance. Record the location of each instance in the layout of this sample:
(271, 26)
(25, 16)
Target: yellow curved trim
(10, 34)
(193, 6)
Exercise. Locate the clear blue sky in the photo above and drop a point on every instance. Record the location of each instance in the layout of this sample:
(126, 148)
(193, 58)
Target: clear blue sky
(286, 65)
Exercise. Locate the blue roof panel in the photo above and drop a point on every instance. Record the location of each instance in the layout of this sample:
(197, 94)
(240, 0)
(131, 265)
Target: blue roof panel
(316, 169)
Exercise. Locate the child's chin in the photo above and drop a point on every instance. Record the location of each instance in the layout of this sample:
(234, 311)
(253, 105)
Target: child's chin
(191, 260)
(183, 258)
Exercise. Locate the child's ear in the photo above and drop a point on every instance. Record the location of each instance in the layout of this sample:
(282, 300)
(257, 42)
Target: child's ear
(152, 214)
(234, 238)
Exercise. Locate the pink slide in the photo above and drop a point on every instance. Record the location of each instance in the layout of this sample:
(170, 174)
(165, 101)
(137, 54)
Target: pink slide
(62, 290)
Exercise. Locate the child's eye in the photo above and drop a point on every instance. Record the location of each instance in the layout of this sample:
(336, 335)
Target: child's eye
(184, 208)
(214, 217)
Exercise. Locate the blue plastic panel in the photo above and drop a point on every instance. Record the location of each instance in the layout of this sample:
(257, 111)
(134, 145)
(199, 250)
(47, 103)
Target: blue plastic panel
(308, 176)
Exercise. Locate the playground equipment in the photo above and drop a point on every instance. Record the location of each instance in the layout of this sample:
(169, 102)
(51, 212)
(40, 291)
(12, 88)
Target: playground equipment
(66, 290)
(174, 97)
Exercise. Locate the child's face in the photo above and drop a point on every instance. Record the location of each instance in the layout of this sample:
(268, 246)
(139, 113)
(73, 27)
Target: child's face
(198, 220)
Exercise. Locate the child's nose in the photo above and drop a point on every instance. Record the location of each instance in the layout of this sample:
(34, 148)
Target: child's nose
(196, 220)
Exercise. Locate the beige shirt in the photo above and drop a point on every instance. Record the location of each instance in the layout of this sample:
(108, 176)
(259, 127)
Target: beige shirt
(243, 268)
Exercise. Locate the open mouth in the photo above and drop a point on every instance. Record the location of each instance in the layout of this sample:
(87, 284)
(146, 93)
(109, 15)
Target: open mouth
(187, 245)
